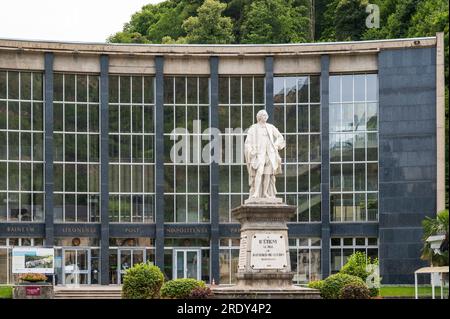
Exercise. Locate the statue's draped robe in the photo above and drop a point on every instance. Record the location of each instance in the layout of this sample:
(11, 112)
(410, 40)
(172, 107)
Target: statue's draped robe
(260, 150)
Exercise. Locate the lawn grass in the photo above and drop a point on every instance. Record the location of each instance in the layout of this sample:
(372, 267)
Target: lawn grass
(408, 291)
(5, 292)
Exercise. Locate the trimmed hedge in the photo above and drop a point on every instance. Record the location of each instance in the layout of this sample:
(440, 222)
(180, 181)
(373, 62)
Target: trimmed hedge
(142, 281)
(354, 291)
(332, 286)
(317, 284)
(180, 288)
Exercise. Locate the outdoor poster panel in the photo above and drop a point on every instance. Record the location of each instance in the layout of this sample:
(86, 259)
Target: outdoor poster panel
(32, 260)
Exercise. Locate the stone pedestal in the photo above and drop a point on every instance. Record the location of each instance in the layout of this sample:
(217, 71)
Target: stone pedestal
(264, 269)
(33, 291)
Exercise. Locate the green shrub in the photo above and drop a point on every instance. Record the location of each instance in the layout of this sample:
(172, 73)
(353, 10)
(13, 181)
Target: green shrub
(316, 284)
(142, 281)
(200, 293)
(362, 266)
(354, 291)
(332, 286)
(180, 288)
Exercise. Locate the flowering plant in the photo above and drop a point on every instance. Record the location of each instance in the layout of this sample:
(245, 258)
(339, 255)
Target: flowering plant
(33, 277)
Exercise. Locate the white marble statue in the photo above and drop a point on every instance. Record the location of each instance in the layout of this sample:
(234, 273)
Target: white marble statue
(261, 148)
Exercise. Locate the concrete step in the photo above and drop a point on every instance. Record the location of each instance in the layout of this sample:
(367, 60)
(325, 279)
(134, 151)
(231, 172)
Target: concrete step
(89, 292)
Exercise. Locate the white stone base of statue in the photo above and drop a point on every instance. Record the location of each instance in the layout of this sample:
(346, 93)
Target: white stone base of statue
(264, 269)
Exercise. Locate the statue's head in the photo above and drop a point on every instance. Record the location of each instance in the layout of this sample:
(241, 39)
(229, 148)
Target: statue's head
(262, 116)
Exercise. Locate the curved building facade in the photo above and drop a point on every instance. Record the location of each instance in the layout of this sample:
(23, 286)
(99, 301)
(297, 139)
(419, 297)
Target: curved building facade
(119, 154)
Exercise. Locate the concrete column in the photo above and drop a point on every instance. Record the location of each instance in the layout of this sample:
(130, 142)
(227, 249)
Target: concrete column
(48, 96)
(325, 167)
(104, 169)
(269, 86)
(214, 172)
(159, 161)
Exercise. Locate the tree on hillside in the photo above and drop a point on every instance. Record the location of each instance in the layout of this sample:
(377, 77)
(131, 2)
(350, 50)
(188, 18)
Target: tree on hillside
(209, 26)
(275, 21)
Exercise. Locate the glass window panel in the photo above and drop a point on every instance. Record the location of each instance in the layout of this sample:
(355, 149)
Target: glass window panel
(372, 176)
(314, 88)
(347, 207)
(291, 148)
(315, 148)
(223, 118)
(372, 206)
(303, 90)
(94, 178)
(38, 177)
(69, 116)
(149, 119)
(347, 147)
(25, 147)
(291, 116)
(93, 88)
(360, 207)
(291, 89)
(180, 208)
(13, 142)
(38, 146)
(13, 85)
(314, 118)
(13, 115)
(82, 208)
(3, 115)
(235, 178)
(291, 178)
(168, 208)
(137, 148)
(303, 178)
(25, 116)
(38, 116)
(316, 202)
(25, 85)
(58, 207)
(113, 208)
(3, 85)
(93, 118)
(125, 148)
(223, 90)
(203, 90)
(360, 87)
(180, 90)
(192, 209)
(25, 176)
(81, 88)
(82, 118)
(235, 90)
(192, 179)
(258, 96)
(347, 117)
(82, 148)
(372, 116)
(82, 178)
(125, 208)
(360, 147)
(335, 177)
(335, 117)
(93, 148)
(315, 178)
(3, 145)
(3, 176)
(113, 89)
(347, 177)
(37, 86)
(347, 88)
(335, 88)
(247, 90)
(94, 208)
(303, 118)
(137, 178)
(58, 89)
(69, 87)
(125, 178)
(114, 148)
(303, 208)
(360, 118)
(70, 171)
(335, 147)
(335, 207)
(113, 118)
(372, 87)
(372, 147)
(192, 90)
(125, 89)
(360, 177)
(136, 89)
(114, 178)
(58, 176)
(148, 178)
(180, 177)
(69, 147)
(58, 117)
(125, 119)
(169, 178)
(148, 89)
(235, 117)
(70, 208)
(247, 116)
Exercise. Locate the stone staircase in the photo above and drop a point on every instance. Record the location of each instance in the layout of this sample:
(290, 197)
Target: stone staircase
(88, 292)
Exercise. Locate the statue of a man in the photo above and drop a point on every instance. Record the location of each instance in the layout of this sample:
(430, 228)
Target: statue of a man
(261, 148)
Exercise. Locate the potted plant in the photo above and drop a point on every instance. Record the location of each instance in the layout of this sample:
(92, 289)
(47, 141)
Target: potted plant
(33, 278)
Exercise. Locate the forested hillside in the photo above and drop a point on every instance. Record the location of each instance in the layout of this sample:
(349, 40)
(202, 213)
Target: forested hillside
(285, 21)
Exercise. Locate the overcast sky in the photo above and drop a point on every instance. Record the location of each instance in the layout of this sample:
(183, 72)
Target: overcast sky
(66, 20)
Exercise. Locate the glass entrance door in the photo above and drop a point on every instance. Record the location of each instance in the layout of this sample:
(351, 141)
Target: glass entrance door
(127, 258)
(186, 263)
(76, 267)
